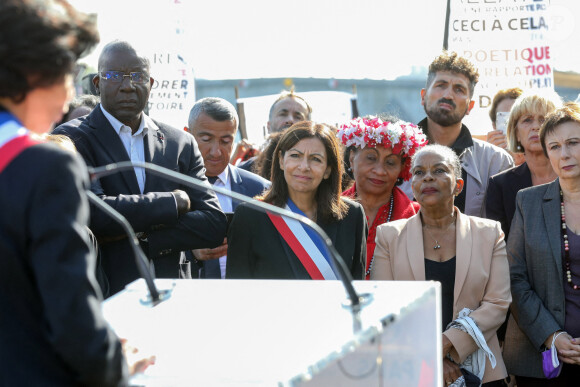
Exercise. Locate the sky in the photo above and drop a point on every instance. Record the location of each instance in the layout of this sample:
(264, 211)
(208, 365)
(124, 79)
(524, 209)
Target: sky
(231, 39)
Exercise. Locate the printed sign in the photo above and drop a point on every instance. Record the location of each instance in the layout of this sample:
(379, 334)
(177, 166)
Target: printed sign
(508, 41)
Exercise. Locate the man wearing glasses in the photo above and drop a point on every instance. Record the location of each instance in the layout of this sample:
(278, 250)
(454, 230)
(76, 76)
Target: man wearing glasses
(168, 218)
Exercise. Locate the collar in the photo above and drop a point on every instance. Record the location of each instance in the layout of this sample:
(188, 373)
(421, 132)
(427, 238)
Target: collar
(462, 142)
(225, 175)
(146, 123)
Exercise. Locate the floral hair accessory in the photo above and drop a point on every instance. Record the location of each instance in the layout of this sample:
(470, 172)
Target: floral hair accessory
(402, 137)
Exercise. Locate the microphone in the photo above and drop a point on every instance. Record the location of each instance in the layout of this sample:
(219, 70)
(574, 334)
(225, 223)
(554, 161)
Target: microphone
(355, 301)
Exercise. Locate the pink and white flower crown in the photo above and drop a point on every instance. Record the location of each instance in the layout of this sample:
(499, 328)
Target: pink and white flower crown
(402, 137)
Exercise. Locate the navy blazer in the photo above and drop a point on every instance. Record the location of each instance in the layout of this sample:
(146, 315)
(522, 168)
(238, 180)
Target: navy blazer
(245, 183)
(53, 332)
(257, 251)
(154, 211)
(500, 197)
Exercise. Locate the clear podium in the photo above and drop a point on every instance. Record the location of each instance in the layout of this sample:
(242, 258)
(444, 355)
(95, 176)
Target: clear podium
(282, 333)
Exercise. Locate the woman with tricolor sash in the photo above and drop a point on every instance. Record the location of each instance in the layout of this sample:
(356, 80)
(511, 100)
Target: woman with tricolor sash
(306, 179)
(53, 330)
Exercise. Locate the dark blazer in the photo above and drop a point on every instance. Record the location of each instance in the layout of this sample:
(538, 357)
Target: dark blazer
(53, 332)
(245, 183)
(500, 197)
(257, 251)
(154, 211)
(537, 281)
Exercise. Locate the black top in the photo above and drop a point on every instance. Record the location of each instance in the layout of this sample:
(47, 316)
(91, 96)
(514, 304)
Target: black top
(500, 197)
(462, 142)
(53, 331)
(256, 250)
(572, 322)
(443, 272)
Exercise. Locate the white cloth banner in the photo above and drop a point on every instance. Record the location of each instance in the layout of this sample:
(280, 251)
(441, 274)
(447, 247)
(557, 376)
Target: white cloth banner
(509, 43)
(173, 91)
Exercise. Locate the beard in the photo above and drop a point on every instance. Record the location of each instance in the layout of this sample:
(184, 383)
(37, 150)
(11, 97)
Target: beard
(444, 117)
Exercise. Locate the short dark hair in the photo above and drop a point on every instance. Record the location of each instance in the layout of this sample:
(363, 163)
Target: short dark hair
(512, 93)
(330, 206)
(40, 41)
(122, 45)
(263, 164)
(88, 100)
(290, 94)
(456, 64)
(569, 112)
(217, 109)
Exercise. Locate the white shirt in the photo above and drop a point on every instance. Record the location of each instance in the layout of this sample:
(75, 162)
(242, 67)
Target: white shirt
(133, 143)
(223, 181)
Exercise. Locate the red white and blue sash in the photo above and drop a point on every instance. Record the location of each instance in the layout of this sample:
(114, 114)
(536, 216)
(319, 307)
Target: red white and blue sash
(14, 138)
(305, 243)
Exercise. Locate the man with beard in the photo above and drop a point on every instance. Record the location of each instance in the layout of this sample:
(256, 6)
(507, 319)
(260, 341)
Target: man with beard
(447, 99)
(288, 109)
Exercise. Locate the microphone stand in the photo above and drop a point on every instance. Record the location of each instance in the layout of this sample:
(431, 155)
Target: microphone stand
(355, 301)
(140, 259)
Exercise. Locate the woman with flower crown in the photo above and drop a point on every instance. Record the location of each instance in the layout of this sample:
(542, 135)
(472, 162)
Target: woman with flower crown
(378, 158)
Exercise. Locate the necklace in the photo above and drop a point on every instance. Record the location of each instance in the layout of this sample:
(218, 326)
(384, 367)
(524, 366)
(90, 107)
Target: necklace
(388, 220)
(566, 245)
(427, 227)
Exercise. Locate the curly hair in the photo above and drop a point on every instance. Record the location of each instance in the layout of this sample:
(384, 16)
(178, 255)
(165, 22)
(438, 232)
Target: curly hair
(447, 153)
(456, 64)
(40, 41)
(330, 206)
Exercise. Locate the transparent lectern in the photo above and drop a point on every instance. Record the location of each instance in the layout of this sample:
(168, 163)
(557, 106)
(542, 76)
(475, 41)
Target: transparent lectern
(282, 333)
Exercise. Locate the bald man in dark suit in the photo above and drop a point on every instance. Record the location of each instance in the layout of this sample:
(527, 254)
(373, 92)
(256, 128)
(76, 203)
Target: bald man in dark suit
(168, 217)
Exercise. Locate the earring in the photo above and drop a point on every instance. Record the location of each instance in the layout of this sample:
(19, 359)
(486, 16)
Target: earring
(519, 147)
(349, 169)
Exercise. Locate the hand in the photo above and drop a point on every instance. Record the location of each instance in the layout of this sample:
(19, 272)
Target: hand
(497, 138)
(451, 372)
(207, 254)
(568, 348)
(447, 345)
(135, 361)
(243, 149)
(182, 200)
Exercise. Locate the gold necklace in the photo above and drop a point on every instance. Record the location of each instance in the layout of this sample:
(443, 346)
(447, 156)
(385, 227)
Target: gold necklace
(427, 227)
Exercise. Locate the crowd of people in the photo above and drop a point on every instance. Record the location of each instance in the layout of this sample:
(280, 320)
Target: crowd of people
(398, 200)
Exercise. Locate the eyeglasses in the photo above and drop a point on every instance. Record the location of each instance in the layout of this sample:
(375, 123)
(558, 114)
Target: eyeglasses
(119, 76)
